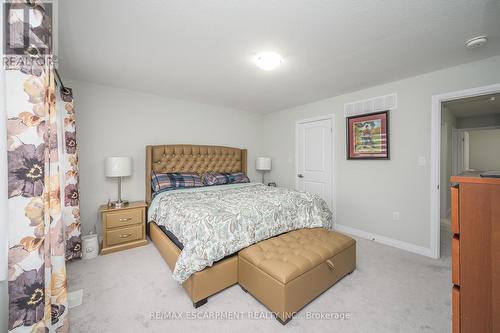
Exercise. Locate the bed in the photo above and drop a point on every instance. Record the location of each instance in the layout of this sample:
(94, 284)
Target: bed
(199, 230)
(200, 159)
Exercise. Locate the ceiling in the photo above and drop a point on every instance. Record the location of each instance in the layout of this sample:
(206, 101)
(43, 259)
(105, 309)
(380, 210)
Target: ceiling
(202, 50)
(474, 106)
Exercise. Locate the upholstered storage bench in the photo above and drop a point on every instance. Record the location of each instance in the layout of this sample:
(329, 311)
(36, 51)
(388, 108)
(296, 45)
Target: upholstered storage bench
(288, 271)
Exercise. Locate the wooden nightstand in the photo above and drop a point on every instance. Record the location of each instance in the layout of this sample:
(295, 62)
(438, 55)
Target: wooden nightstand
(123, 228)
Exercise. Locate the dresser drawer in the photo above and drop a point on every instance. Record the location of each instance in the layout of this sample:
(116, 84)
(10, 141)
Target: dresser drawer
(124, 235)
(455, 260)
(124, 218)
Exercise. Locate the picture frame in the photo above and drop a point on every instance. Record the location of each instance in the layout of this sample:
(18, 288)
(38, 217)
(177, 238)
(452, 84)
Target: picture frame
(368, 136)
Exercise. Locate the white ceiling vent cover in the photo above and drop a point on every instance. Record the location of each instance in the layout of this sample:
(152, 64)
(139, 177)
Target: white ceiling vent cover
(376, 104)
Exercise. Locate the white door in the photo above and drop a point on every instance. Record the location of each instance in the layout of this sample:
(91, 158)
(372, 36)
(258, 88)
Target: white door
(314, 160)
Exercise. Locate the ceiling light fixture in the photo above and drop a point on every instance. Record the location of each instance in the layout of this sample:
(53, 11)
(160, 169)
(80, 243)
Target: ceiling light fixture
(268, 60)
(476, 42)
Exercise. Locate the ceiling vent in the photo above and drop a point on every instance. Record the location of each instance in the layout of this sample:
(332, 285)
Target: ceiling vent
(371, 105)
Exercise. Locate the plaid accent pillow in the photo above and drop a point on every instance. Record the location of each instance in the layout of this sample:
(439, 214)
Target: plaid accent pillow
(171, 181)
(238, 177)
(213, 178)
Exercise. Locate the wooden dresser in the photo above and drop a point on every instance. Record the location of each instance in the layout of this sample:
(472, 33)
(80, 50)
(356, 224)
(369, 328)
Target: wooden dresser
(475, 224)
(123, 228)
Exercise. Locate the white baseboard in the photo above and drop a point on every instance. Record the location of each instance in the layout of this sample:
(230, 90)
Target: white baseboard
(424, 251)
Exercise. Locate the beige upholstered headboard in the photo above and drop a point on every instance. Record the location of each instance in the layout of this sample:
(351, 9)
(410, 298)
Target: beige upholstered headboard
(192, 158)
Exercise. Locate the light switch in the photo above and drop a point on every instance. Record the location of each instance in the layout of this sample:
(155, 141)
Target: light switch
(421, 161)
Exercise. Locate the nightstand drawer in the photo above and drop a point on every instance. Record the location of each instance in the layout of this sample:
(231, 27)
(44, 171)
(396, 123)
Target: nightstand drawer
(124, 235)
(124, 218)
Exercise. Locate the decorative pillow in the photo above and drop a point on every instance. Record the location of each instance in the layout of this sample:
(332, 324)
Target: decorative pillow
(171, 181)
(213, 178)
(238, 177)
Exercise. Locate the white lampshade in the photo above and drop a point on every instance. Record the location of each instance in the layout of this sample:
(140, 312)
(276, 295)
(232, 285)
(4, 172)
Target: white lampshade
(118, 166)
(263, 163)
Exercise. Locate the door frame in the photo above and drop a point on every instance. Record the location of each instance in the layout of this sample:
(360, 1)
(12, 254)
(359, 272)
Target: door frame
(330, 117)
(437, 100)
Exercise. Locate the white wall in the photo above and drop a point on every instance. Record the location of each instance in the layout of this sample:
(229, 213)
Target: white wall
(484, 149)
(368, 192)
(113, 121)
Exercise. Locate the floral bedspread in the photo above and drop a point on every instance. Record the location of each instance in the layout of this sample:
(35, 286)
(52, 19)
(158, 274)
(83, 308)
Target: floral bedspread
(214, 224)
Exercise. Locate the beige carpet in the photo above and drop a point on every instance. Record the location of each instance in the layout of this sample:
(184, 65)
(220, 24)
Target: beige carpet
(390, 291)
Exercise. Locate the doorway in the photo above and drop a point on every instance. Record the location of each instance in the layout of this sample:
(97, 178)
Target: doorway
(454, 117)
(314, 157)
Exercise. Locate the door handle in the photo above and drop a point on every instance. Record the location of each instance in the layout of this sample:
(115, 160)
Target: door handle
(300, 175)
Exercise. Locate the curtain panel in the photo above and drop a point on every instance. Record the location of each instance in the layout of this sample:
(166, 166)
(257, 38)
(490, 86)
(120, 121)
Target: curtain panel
(42, 167)
(69, 173)
(44, 217)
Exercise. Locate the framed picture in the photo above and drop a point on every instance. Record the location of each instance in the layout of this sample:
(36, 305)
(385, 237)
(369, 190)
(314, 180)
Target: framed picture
(368, 136)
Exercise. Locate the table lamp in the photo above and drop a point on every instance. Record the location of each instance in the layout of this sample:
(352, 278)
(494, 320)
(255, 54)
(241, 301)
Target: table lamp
(118, 167)
(263, 164)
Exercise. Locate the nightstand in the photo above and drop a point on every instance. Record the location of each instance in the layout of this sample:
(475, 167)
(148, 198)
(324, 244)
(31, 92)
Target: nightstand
(123, 228)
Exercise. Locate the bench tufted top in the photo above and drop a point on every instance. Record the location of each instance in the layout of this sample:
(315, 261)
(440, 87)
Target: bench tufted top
(289, 255)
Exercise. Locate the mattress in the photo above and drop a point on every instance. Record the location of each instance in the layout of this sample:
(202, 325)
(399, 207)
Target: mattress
(178, 243)
(171, 236)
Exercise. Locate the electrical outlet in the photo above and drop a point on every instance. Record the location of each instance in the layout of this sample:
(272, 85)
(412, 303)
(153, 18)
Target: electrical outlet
(395, 216)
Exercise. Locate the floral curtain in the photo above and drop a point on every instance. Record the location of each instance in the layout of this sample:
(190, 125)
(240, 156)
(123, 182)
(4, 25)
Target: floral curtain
(44, 217)
(44, 230)
(69, 173)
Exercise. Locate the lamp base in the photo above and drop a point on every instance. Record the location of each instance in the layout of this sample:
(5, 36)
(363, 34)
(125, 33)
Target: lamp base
(263, 173)
(119, 204)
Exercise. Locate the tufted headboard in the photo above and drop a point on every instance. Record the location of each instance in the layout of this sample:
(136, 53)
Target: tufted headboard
(192, 158)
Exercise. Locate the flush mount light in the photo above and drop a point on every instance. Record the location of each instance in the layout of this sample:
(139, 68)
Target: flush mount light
(268, 60)
(476, 42)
